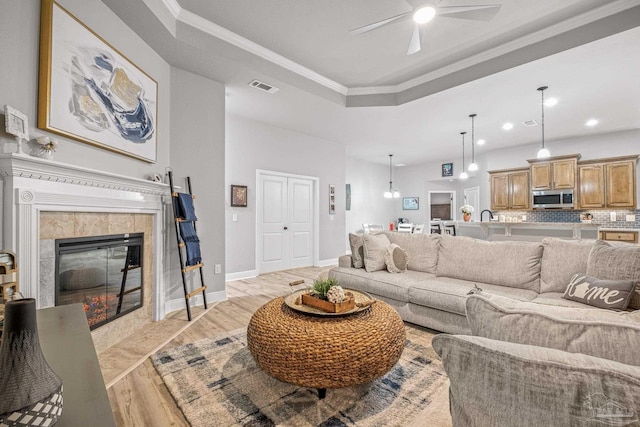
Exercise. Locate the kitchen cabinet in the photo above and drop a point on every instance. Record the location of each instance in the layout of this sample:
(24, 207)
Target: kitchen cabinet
(510, 189)
(557, 173)
(608, 183)
(618, 235)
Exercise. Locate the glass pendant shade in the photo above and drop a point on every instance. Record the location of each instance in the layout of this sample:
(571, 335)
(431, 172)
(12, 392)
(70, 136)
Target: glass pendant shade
(473, 166)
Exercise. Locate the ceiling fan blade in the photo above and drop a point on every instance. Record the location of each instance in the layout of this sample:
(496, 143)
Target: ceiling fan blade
(414, 45)
(378, 24)
(477, 13)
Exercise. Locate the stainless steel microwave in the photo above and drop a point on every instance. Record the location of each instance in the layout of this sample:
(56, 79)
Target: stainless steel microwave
(552, 199)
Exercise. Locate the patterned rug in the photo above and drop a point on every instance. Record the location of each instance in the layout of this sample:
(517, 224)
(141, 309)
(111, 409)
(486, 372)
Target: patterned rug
(216, 382)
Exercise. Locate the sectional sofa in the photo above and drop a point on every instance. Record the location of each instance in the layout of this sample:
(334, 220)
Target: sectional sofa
(443, 270)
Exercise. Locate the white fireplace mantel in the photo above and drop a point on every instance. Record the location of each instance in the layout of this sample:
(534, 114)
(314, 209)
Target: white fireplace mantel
(31, 185)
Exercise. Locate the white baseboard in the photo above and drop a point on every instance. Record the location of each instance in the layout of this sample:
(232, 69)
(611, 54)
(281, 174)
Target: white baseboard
(178, 304)
(328, 262)
(240, 275)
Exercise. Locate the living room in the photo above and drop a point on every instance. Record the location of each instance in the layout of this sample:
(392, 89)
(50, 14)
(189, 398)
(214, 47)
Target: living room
(220, 132)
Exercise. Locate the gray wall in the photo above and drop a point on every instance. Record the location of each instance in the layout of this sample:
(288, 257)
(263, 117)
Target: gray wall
(198, 151)
(251, 145)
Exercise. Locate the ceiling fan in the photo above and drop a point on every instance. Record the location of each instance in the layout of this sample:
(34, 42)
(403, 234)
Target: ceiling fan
(425, 12)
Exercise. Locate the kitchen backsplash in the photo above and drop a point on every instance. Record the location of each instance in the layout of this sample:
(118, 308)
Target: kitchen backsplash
(600, 217)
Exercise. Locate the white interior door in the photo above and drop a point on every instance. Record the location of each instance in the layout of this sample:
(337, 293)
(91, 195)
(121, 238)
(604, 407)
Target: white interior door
(285, 223)
(472, 197)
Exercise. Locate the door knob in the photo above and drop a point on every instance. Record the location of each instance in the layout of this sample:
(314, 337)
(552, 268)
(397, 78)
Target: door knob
(286, 228)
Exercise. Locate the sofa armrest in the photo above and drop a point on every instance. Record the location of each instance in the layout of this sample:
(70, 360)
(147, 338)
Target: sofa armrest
(505, 384)
(345, 261)
(593, 331)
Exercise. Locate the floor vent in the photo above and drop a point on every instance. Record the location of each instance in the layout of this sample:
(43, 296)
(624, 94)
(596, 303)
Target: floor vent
(263, 86)
(530, 123)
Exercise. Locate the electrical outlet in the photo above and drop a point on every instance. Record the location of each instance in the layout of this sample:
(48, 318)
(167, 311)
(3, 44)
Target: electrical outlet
(218, 269)
(524, 218)
(612, 216)
(235, 217)
(631, 218)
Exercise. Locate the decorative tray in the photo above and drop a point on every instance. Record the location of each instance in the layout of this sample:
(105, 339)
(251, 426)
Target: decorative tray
(294, 301)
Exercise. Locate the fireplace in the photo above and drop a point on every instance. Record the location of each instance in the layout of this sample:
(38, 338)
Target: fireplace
(104, 273)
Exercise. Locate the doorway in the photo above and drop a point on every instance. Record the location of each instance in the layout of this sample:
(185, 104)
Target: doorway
(442, 205)
(472, 198)
(287, 218)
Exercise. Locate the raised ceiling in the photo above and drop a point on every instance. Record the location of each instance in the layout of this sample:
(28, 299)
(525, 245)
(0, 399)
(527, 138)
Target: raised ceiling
(413, 103)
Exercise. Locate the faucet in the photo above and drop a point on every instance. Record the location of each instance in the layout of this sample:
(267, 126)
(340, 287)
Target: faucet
(490, 214)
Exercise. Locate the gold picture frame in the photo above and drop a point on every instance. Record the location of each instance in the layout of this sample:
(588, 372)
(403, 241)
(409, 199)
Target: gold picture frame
(90, 92)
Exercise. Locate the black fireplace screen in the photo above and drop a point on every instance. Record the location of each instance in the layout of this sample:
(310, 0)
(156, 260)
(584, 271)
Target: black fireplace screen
(104, 273)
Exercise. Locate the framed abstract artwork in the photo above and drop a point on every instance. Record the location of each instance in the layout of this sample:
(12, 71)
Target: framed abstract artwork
(447, 169)
(239, 196)
(332, 199)
(91, 92)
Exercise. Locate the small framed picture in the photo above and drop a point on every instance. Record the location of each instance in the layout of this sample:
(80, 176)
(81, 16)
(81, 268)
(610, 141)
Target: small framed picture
(332, 199)
(239, 196)
(447, 169)
(16, 123)
(410, 203)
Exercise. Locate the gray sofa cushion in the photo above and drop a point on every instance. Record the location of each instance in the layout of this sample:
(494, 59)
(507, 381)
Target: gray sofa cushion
(357, 250)
(497, 383)
(422, 249)
(448, 294)
(513, 264)
(616, 262)
(600, 333)
(394, 286)
(555, 299)
(561, 259)
(375, 246)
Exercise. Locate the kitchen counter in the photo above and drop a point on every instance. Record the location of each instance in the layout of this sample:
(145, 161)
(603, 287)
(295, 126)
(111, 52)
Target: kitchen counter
(495, 230)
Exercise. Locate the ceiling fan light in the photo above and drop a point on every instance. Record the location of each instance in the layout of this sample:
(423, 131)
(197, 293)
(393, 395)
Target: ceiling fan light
(543, 153)
(473, 167)
(424, 14)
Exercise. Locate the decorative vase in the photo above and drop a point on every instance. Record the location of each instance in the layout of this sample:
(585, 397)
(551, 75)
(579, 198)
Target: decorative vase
(31, 391)
(466, 217)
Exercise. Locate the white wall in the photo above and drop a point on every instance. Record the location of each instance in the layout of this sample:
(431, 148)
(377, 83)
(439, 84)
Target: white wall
(19, 47)
(197, 151)
(368, 182)
(251, 145)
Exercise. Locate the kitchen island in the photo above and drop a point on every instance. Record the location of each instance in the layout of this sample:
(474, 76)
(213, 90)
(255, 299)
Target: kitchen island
(532, 231)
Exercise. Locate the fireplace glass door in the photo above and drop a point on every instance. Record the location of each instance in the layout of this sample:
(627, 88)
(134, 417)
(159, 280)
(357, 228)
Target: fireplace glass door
(103, 273)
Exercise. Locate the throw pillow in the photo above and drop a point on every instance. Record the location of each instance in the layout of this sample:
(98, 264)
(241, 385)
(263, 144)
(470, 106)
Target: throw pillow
(357, 250)
(611, 294)
(615, 262)
(375, 246)
(396, 259)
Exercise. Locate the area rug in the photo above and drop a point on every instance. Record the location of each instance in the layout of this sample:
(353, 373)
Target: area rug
(216, 382)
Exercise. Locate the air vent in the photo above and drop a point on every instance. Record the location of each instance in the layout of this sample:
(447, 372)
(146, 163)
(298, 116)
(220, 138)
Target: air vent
(263, 86)
(530, 123)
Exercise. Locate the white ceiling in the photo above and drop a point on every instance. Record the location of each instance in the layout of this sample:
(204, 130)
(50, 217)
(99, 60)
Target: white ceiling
(304, 47)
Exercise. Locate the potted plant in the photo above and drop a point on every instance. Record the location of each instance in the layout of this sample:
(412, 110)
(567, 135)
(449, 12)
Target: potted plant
(327, 295)
(466, 210)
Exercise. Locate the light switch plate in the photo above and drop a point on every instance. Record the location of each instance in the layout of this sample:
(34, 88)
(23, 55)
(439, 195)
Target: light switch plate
(612, 216)
(631, 218)
(235, 217)
(218, 269)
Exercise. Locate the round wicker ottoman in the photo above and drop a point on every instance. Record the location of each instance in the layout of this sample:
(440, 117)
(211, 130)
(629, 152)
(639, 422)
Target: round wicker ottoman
(325, 352)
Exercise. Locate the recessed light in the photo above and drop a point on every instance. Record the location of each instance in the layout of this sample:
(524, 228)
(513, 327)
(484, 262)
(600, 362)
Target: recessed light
(401, 164)
(591, 122)
(507, 126)
(550, 102)
(481, 142)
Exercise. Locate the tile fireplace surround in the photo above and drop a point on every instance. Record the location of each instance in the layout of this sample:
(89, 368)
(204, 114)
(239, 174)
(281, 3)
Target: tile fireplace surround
(44, 200)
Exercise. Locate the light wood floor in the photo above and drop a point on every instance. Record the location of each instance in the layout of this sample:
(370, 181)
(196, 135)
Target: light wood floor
(137, 394)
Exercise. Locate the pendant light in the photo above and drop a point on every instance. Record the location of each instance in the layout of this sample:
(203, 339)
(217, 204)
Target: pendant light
(543, 153)
(463, 174)
(473, 166)
(391, 193)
